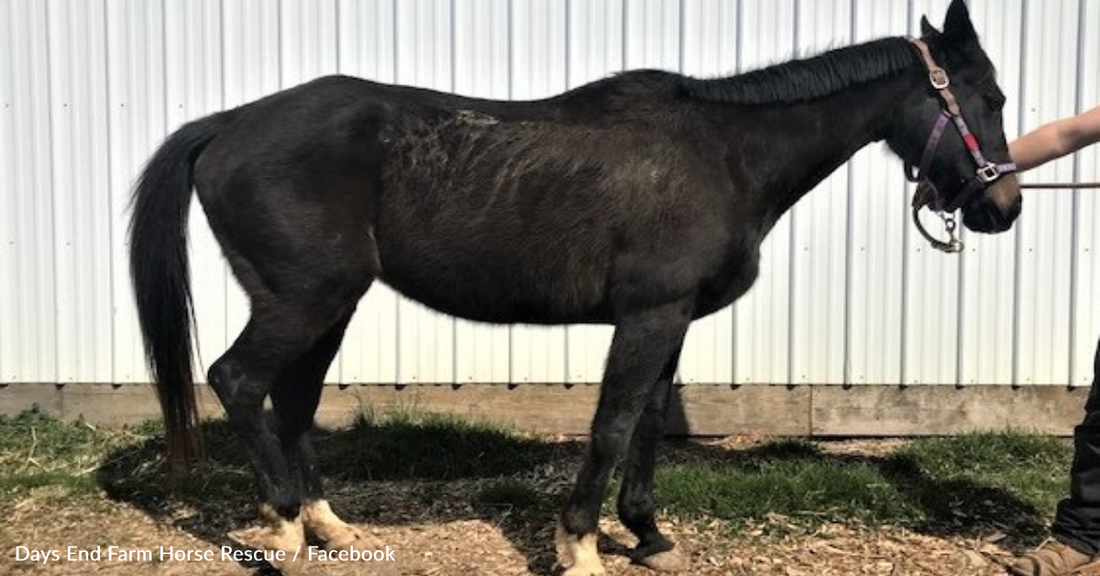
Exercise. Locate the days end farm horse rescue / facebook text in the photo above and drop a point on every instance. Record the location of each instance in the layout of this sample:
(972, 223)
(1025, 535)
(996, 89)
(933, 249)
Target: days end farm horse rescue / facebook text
(640, 200)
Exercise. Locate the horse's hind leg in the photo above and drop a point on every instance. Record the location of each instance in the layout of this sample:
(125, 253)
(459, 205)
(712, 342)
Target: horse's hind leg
(645, 342)
(284, 328)
(636, 507)
(295, 397)
(242, 379)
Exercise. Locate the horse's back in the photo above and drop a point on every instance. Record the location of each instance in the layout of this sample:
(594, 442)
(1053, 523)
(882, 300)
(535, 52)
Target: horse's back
(490, 210)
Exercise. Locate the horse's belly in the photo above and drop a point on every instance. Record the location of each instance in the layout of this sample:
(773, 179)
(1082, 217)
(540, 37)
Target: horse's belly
(509, 283)
(500, 306)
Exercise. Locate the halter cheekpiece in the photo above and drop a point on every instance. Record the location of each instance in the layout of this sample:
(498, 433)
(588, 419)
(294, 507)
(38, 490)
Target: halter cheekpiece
(986, 173)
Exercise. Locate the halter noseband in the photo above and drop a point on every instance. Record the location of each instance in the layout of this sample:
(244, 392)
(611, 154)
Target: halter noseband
(927, 194)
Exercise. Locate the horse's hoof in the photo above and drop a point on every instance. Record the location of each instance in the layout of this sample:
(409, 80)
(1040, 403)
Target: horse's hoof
(350, 538)
(291, 566)
(596, 570)
(336, 534)
(578, 554)
(667, 561)
(291, 562)
(285, 538)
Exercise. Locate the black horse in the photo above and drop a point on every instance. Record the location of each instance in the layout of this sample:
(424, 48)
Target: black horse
(640, 201)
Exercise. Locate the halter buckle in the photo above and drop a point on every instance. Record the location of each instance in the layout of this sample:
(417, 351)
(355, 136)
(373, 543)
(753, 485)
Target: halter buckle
(989, 173)
(938, 78)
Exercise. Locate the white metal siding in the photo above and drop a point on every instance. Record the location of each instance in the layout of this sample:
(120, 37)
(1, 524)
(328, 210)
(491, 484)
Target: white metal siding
(848, 293)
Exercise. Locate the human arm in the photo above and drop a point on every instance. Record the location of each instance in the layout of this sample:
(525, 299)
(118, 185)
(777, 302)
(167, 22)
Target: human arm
(1056, 139)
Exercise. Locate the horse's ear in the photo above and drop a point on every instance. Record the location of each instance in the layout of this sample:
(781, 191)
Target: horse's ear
(957, 23)
(926, 27)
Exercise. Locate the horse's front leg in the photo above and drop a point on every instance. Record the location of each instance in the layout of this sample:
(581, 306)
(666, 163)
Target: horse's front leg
(645, 342)
(637, 509)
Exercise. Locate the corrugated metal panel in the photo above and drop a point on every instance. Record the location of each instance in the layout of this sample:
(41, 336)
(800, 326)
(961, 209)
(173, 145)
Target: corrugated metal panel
(762, 317)
(596, 47)
(27, 340)
(538, 69)
(368, 48)
(9, 222)
(425, 340)
(710, 49)
(1045, 238)
(819, 225)
(878, 229)
(847, 294)
(618, 35)
(482, 68)
(82, 219)
(203, 74)
(138, 115)
(930, 324)
(1086, 297)
(988, 296)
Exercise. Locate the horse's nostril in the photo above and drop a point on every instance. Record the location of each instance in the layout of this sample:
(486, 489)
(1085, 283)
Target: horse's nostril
(989, 214)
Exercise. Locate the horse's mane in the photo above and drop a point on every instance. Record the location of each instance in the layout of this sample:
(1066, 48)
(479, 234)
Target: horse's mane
(802, 80)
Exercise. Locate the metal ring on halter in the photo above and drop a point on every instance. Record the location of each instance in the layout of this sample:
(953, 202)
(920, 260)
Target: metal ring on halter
(939, 79)
(953, 244)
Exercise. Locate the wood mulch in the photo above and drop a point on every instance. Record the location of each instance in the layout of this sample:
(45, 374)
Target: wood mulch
(435, 530)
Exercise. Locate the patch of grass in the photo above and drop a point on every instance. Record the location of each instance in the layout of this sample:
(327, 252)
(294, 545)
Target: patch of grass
(789, 478)
(38, 450)
(988, 454)
(956, 484)
(1033, 468)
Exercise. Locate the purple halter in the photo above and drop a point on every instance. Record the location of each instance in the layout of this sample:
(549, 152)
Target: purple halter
(987, 172)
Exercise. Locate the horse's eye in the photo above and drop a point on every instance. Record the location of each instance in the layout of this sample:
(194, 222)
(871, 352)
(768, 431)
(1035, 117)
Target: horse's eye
(996, 102)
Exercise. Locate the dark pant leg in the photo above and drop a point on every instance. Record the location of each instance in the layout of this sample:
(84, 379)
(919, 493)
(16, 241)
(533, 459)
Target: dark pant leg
(1077, 522)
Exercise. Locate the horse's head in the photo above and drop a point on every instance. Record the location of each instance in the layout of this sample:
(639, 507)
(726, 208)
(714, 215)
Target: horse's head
(952, 132)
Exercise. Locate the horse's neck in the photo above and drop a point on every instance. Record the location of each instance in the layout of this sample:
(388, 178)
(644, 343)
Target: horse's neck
(786, 150)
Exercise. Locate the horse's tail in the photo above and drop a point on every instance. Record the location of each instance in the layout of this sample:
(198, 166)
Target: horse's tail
(161, 279)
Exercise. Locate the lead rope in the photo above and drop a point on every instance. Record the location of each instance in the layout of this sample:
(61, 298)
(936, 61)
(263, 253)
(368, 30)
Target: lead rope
(1061, 185)
(954, 245)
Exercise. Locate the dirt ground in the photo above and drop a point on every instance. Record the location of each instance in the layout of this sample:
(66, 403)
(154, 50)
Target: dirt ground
(466, 547)
(434, 530)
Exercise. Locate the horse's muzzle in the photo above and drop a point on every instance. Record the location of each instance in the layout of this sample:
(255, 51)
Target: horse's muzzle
(996, 209)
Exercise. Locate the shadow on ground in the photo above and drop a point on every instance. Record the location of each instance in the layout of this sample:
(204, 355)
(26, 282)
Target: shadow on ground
(404, 472)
